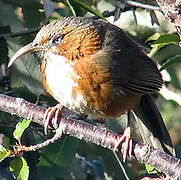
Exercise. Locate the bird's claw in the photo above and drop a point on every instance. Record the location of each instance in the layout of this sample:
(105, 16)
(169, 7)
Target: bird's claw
(51, 117)
(126, 144)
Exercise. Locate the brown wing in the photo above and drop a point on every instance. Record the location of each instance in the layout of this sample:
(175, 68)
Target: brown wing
(133, 72)
(131, 69)
(143, 76)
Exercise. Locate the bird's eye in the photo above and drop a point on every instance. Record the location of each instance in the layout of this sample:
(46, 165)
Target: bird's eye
(57, 40)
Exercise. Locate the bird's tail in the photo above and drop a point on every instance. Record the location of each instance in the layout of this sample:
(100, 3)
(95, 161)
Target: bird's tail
(151, 125)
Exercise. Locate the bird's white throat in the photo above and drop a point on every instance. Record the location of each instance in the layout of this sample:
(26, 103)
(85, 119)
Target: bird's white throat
(59, 72)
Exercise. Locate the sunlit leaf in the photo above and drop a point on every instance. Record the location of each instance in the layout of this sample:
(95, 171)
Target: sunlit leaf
(3, 153)
(153, 37)
(20, 128)
(19, 168)
(164, 40)
(150, 169)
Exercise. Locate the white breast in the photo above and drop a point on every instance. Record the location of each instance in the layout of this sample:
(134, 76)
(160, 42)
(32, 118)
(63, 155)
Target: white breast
(59, 75)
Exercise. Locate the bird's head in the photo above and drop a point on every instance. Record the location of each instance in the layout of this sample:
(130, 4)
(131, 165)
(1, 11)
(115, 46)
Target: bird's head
(71, 37)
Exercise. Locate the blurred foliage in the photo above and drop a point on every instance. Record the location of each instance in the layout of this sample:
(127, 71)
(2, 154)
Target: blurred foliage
(70, 158)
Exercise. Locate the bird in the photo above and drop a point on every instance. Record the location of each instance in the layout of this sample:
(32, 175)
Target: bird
(92, 67)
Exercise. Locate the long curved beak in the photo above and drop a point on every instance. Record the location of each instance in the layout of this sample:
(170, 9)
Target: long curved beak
(24, 50)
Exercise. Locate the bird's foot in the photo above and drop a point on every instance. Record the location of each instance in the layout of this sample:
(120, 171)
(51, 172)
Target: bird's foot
(126, 144)
(51, 117)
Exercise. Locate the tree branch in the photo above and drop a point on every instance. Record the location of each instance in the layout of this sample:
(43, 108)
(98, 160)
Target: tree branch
(105, 14)
(104, 137)
(141, 5)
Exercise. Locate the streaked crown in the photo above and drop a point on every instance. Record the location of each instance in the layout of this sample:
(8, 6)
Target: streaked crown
(71, 37)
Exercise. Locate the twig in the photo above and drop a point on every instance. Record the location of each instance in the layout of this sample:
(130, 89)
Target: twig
(21, 33)
(71, 7)
(134, 4)
(105, 14)
(141, 5)
(121, 165)
(104, 137)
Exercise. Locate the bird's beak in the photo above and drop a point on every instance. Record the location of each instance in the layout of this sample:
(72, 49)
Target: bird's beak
(24, 50)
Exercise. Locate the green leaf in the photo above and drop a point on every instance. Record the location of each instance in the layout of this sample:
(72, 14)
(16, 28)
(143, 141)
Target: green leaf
(170, 61)
(20, 128)
(88, 8)
(6, 141)
(25, 72)
(60, 153)
(3, 153)
(164, 40)
(153, 37)
(150, 169)
(19, 168)
(174, 70)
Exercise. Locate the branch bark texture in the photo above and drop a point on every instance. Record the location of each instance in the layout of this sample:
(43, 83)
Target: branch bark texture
(104, 137)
